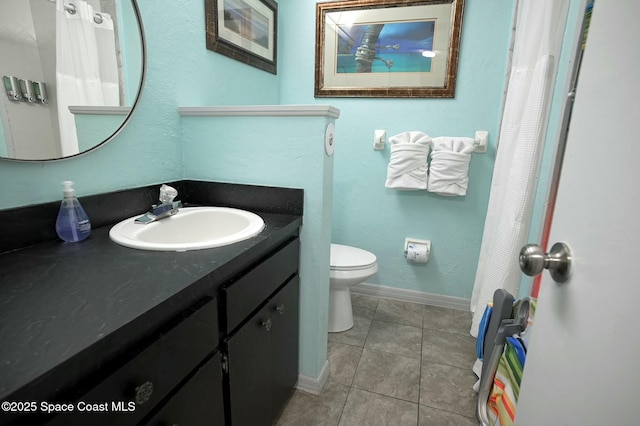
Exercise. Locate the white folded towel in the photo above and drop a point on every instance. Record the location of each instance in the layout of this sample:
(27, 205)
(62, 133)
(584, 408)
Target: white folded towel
(449, 165)
(408, 162)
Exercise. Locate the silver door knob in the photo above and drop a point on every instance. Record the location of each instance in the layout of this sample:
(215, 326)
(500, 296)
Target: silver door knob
(533, 260)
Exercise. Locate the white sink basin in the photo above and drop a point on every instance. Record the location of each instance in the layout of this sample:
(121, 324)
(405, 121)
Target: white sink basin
(192, 228)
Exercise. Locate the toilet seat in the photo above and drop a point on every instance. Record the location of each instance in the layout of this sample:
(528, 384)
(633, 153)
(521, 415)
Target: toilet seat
(347, 258)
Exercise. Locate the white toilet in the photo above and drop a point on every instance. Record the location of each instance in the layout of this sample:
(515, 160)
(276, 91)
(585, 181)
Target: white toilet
(349, 266)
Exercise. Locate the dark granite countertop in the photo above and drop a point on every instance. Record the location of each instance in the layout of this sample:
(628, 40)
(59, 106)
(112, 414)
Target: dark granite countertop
(66, 307)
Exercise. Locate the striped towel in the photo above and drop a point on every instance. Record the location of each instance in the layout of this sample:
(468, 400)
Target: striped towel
(506, 384)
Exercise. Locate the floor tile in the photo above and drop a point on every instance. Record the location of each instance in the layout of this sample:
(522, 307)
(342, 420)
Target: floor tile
(396, 356)
(449, 320)
(428, 416)
(399, 312)
(448, 388)
(366, 408)
(399, 339)
(369, 302)
(388, 374)
(448, 348)
(357, 335)
(343, 361)
(308, 409)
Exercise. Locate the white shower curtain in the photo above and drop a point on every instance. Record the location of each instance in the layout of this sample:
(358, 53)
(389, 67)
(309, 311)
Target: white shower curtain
(86, 67)
(539, 32)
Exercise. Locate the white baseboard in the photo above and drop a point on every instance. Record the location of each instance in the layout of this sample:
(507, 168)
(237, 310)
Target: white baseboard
(314, 385)
(414, 296)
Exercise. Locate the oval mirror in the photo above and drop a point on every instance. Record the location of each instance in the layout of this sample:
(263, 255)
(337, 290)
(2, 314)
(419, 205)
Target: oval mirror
(72, 73)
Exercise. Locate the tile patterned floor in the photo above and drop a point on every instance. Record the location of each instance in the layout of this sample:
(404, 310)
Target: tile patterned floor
(401, 364)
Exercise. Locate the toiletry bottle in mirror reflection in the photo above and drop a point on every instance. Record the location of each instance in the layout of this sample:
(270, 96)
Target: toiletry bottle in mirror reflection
(73, 223)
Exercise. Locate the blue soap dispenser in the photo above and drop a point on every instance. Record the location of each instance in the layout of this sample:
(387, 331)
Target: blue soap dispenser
(73, 223)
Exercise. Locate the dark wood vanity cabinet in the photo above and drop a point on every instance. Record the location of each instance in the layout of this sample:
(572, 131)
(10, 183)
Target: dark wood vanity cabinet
(162, 377)
(284, 310)
(261, 353)
(150, 338)
(230, 359)
(263, 360)
(199, 402)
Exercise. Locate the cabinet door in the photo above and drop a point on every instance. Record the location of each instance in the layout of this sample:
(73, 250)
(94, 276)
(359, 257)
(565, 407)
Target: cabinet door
(198, 402)
(249, 372)
(284, 308)
(148, 377)
(243, 296)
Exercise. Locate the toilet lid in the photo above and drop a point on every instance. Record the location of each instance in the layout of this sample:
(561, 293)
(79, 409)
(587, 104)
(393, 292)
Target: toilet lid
(344, 258)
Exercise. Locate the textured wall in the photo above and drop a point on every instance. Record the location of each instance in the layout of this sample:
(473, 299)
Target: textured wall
(289, 152)
(378, 219)
(180, 71)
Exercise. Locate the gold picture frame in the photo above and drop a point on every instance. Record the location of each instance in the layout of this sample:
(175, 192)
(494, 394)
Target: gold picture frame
(387, 48)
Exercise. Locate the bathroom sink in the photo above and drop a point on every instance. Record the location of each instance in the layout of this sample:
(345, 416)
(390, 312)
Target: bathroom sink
(192, 228)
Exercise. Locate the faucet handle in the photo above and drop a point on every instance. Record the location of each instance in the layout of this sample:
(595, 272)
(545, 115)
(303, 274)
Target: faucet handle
(167, 194)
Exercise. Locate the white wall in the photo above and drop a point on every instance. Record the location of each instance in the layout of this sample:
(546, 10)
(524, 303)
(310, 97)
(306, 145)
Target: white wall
(29, 123)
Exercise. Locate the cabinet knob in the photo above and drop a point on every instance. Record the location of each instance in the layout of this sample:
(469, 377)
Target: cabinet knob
(143, 392)
(280, 309)
(267, 324)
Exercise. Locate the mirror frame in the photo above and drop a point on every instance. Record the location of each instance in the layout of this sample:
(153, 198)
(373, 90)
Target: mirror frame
(143, 72)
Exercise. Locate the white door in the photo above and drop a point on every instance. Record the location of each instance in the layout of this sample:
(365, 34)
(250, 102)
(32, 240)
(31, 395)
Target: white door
(583, 365)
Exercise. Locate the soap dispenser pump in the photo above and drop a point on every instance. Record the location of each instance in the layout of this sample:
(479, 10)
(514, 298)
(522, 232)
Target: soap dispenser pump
(73, 223)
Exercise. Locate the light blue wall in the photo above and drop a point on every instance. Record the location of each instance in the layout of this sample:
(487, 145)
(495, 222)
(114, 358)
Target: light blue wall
(180, 71)
(286, 152)
(378, 219)
(131, 50)
(92, 128)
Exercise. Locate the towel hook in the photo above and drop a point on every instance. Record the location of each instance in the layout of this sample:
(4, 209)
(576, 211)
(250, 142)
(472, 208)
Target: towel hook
(481, 141)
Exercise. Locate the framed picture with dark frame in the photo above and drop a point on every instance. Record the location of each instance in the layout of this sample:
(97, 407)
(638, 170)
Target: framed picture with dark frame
(387, 48)
(245, 30)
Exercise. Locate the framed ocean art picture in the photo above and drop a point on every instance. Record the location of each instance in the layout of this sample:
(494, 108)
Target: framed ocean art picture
(387, 48)
(244, 30)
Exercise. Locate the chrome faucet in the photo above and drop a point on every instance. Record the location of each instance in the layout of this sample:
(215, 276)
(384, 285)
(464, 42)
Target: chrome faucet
(166, 208)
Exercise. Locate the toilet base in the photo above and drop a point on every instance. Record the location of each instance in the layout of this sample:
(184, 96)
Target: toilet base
(340, 311)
